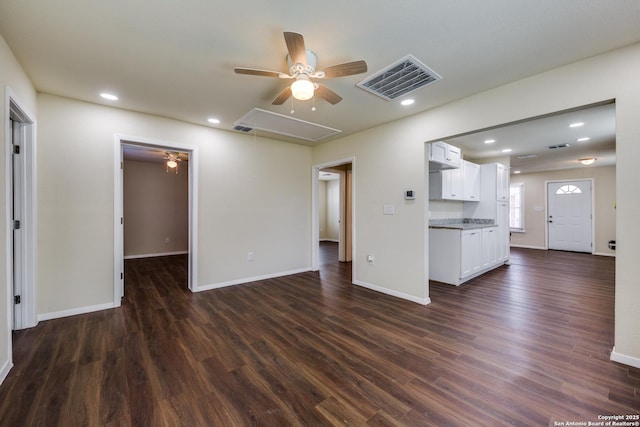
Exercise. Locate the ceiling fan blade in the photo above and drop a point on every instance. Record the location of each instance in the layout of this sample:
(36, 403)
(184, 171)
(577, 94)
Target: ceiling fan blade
(263, 73)
(329, 95)
(282, 96)
(295, 46)
(346, 69)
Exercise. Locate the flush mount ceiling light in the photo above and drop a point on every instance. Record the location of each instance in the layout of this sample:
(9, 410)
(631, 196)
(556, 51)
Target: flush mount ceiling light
(587, 161)
(586, 138)
(576, 125)
(213, 120)
(172, 160)
(507, 150)
(407, 102)
(489, 141)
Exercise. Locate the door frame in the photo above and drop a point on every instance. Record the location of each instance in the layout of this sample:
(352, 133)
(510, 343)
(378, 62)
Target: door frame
(118, 223)
(315, 214)
(546, 210)
(16, 109)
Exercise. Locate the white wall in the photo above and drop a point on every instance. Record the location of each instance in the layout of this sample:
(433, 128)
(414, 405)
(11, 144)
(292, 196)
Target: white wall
(388, 160)
(238, 210)
(12, 78)
(604, 215)
(156, 209)
(333, 210)
(322, 209)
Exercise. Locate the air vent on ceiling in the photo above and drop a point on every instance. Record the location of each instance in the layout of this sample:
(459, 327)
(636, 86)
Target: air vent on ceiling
(400, 78)
(553, 147)
(280, 124)
(242, 128)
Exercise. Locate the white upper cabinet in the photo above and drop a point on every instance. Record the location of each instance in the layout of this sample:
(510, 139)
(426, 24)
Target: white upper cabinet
(495, 182)
(470, 181)
(456, 184)
(445, 185)
(502, 183)
(444, 156)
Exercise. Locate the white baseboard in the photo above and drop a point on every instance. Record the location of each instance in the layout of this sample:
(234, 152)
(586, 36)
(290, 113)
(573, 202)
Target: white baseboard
(528, 247)
(156, 255)
(386, 291)
(75, 311)
(250, 279)
(5, 370)
(624, 359)
(604, 254)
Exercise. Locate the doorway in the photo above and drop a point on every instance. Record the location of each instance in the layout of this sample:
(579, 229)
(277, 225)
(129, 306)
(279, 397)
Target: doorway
(333, 209)
(21, 212)
(159, 148)
(338, 208)
(570, 215)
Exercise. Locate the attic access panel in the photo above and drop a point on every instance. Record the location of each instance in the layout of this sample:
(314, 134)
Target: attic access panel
(280, 124)
(400, 78)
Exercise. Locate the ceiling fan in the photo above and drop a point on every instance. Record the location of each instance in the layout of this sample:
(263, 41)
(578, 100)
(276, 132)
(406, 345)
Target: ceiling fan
(302, 68)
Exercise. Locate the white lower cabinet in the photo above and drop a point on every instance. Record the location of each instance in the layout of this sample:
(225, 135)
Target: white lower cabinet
(470, 252)
(456, 256)
(489, 246)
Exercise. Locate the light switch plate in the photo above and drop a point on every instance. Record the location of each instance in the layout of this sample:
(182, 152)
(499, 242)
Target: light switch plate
(389, 209)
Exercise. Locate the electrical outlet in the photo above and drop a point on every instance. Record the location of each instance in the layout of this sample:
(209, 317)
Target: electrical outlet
(249, 256)
(167, 240)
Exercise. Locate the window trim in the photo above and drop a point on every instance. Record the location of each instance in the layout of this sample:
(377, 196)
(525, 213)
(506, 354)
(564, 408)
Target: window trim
(522, 217)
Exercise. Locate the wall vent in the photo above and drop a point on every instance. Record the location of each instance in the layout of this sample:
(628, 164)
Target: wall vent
(280, 124)
(553, 147)
(400, 78)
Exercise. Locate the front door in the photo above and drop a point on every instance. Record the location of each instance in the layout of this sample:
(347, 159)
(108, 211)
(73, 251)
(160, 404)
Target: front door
(569, 207)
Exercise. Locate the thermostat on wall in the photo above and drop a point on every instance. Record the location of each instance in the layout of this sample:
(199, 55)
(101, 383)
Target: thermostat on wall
(409, 195)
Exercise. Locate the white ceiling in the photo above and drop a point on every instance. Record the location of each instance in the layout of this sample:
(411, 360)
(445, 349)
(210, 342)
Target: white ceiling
(176, 59)
(533, 137)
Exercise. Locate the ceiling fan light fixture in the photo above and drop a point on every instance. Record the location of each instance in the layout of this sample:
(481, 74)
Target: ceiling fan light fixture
(302, 89)
(172, 161)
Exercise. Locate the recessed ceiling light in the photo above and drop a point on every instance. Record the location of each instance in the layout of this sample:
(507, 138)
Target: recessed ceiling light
(407, 102)
(576, 125)
(489, 141)
(516, 171)
(109, 96)
(588, 161)
(586, 138)
(213, 120)
(507, 150)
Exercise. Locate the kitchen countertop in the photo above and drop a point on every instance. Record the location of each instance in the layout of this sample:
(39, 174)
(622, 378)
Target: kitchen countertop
(461, 223)
(462, 226)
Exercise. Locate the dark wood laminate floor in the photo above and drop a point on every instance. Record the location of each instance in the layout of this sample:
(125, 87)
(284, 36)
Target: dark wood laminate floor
(524, 345)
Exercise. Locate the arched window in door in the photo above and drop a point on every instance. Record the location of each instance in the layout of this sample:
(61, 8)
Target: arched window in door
(568, 189)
